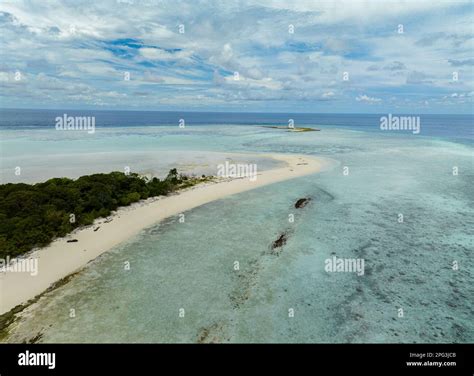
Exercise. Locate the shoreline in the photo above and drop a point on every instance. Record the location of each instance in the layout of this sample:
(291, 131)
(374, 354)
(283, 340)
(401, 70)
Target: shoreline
(61, 259)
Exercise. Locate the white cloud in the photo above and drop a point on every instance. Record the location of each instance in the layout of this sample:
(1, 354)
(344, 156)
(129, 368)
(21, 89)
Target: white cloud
(59, 45)
(163, 55)
(329, 94)
(365, 98)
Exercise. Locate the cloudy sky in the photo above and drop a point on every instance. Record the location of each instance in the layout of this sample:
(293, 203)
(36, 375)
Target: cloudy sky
(271, 56)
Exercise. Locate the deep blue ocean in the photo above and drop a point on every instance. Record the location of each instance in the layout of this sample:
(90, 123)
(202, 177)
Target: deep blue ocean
(459, 128)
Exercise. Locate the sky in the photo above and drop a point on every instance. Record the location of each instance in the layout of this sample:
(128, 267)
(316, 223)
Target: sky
(355, 56)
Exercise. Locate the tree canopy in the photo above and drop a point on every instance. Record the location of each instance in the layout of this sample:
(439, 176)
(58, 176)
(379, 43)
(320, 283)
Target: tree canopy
(32, 215)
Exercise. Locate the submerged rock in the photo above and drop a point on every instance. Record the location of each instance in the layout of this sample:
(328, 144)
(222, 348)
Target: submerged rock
(280, 242)
(301, 203)
(212, 334)
(37, 338)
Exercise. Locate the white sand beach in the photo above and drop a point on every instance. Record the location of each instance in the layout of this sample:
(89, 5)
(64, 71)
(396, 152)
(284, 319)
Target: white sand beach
(61, 258)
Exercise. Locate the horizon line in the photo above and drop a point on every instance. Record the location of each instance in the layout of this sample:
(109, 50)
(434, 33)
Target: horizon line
(232, 112)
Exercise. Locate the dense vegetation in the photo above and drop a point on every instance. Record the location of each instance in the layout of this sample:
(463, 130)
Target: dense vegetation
(33, 215)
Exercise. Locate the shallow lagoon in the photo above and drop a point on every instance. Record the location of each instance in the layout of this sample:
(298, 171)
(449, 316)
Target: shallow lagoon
(191, 265)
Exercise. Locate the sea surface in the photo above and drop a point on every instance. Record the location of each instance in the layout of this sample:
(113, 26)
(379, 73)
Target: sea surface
(214, 278)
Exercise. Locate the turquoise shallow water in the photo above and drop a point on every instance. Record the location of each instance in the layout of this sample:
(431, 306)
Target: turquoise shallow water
(191, 265)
